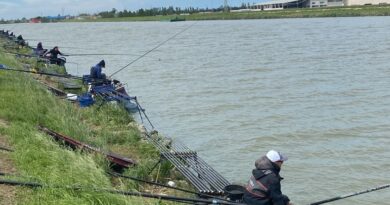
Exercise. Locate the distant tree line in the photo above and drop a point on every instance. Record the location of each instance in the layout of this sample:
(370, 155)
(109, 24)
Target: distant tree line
(164, 11)
(42, 19)
(22, 20)
(140, 12)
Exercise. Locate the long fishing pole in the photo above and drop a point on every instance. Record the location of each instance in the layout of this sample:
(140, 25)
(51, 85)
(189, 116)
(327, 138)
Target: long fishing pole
(121, 192)
(6, 149)
(351, 194)
(25, 55)
(43, 73)
(105, 54)
(39, 40)
(143, 55)
(166, 186)
(100, 54)
(94, 80)
(143, 111)
(51, 46)
(21, 54)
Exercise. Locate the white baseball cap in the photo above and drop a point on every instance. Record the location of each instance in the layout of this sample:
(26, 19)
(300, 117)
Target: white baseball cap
(275, 156)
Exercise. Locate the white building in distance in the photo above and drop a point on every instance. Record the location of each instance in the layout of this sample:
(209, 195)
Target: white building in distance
(281, 4)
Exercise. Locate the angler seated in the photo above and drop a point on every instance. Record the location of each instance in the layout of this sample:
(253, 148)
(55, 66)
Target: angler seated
(53, 56)
(21, 41)
(97, 75)
(11, 35)
(39, 51)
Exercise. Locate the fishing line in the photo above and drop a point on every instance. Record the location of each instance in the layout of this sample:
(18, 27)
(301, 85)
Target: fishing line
(21, 54)
(43, 73)
(50, 46)
(101, 54)
(351, 194)
(143, 111)
(95, 81)
(38, 40)
(6, 149)
(162, 43)
(166, 186)
(72, 63)
(121, 192)
(97, 54)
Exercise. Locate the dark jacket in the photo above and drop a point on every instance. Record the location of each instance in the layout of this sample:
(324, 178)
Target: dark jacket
(54, 53)
(264, 186)
(39, 46)
(96, 72)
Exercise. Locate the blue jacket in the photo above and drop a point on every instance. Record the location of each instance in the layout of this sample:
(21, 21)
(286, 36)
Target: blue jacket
(96, 72)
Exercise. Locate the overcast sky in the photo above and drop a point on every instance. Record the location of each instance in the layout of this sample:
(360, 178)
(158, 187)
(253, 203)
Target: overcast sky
(13, 9)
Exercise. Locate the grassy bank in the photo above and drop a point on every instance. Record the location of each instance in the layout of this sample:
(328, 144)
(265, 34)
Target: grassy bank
(25, 104)
(383, 10)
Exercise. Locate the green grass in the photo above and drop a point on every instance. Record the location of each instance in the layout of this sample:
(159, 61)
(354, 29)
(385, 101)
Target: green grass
(25, 104)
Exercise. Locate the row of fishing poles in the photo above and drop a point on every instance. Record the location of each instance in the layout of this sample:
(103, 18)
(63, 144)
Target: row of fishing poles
(214, 200)
(198, 201)
(211, 200)
(77, 54)
(74, 54)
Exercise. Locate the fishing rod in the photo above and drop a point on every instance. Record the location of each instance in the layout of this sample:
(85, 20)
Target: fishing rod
(17, 175)
(143, 55)
(143, 111)
(72, 63)
(22, 54)
(38, 40)
(120, 192)
(6, 149)
(101, 54)
(106, 54)
(43, 73)
(31, 55)
(166, 186)
(351, 194)
(94, 81)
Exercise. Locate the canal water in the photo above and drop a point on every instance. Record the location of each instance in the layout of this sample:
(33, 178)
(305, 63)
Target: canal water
(315, 89)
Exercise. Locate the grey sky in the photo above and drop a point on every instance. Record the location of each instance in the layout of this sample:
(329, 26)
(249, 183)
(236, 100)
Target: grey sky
(12, 9)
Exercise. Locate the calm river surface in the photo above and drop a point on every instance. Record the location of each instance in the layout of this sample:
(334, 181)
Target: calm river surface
(316, 89)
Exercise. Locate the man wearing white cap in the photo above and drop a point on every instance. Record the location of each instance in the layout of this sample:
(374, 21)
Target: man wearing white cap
(264, 185)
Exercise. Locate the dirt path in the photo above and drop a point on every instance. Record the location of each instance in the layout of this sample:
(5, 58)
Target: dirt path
(3, 123)
(7, 193)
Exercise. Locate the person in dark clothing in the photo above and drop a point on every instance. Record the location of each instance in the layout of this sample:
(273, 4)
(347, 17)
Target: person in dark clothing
(264, 186)
(53, 56)
(39, 51)
(96, 71)
(39, 46)
(11, 36)
(20, 40)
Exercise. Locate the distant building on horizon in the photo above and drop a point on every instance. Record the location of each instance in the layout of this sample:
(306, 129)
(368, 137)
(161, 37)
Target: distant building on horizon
(45, 19)
(35, 20)
(282, 4)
